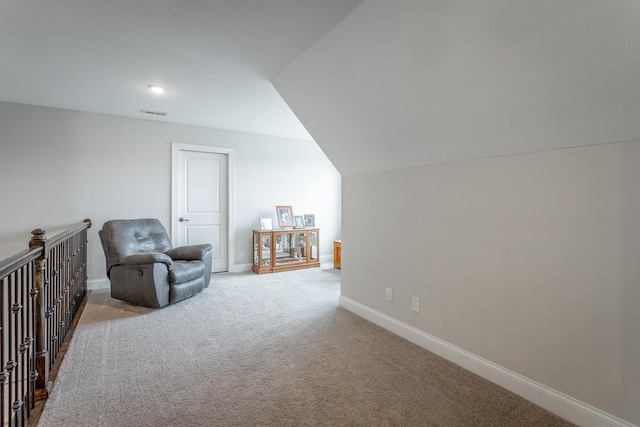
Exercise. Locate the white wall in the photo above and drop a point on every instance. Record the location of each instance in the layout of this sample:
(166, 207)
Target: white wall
(530, 262)
(58, 167)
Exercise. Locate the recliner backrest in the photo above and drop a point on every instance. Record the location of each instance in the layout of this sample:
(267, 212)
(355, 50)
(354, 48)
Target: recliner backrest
(125, 237)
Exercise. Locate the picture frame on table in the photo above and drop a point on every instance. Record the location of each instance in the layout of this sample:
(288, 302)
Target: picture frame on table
(309, 220)
(298, 221)
(285, 216)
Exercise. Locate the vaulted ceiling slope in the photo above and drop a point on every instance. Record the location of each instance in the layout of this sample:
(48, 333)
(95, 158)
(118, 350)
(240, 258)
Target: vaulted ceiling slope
(214, 57)
(408, 83)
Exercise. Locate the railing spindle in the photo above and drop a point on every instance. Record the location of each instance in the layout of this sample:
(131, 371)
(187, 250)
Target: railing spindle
(3, 378)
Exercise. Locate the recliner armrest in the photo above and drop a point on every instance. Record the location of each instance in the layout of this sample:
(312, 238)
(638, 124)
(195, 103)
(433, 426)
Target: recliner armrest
(148, 258)
(190, 253)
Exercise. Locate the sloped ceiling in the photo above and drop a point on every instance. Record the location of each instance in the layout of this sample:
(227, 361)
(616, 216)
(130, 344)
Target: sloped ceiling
(215, 57)
(409, 83)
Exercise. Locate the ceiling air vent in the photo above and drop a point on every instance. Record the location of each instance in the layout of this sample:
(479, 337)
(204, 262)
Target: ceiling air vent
(155, 113)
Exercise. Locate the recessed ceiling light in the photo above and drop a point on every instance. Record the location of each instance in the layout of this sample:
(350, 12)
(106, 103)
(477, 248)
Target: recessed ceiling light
(156, 89)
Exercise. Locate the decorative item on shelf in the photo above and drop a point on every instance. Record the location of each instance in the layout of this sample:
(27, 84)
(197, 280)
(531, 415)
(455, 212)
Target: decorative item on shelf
(299, 221)
(309, 220)
(285, 216)
(266, 224)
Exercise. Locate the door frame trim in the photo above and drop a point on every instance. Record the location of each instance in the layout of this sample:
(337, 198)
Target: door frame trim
(231, 226)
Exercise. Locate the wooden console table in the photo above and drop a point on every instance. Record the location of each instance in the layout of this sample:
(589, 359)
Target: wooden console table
(285, 249)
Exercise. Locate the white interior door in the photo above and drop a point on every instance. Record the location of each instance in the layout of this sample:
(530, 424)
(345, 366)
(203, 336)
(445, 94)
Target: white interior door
(201, 202)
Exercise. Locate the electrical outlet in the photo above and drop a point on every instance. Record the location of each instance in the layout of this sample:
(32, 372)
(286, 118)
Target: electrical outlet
(415, 304)
(389, 294)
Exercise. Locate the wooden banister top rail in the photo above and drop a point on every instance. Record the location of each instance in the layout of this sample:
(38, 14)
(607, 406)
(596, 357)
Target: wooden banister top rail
(11, 264)
(38, 243)
(62, 235)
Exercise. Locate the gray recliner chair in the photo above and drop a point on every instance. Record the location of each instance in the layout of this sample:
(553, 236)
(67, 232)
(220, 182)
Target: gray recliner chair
(145, 269)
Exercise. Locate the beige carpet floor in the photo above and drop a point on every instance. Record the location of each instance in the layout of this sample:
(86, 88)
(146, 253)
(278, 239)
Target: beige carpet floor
(268, 350)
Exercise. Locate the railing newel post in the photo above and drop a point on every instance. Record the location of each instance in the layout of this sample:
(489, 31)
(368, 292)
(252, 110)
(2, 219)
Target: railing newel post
(39, 238)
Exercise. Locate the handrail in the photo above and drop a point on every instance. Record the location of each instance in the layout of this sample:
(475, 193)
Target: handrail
(85, 224)
(9, 265)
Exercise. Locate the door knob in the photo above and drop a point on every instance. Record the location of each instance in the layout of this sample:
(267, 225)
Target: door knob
(183, 220)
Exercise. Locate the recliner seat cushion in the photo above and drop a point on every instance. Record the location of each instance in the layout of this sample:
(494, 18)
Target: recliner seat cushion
(184, 271)
(185, 290)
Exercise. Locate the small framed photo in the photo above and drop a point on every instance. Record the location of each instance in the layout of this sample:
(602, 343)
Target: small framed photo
(266, 224)
(299, 221)
(285, 216)
(309, 220)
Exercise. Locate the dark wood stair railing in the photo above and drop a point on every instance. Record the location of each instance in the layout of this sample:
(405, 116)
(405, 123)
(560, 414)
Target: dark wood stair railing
(42, 289)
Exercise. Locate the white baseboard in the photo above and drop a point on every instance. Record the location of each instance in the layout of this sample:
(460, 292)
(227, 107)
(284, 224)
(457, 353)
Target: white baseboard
(565, 406)
(237, 268)
(326, 259)
(240, 268)
(93, 284)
